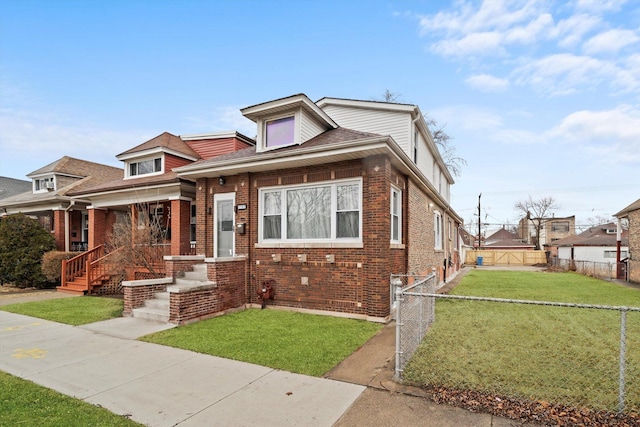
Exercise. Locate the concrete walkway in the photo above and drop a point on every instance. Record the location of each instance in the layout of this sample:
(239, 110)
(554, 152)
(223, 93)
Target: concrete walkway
(162, 386)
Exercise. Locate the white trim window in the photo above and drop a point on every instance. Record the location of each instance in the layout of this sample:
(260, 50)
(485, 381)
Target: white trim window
(144, 167)
(396, 215)
(44, 184)
(328, 211)
(437, 229)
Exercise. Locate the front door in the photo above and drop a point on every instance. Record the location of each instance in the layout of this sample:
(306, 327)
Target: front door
(224, 223)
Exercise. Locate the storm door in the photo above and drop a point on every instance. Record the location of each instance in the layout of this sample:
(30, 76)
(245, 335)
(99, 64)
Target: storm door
(224, 236)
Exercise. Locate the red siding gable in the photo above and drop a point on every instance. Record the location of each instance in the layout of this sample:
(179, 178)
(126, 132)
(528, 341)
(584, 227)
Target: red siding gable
(171, 161)
(208, 148)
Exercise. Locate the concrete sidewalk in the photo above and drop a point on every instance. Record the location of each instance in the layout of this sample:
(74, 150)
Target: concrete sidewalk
(162, 386)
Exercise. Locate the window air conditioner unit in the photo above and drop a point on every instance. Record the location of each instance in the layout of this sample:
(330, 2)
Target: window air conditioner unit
(48, 185)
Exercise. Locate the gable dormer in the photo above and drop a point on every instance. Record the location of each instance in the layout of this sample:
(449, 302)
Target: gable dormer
(287, 121)
(157, 156)
(44, 183)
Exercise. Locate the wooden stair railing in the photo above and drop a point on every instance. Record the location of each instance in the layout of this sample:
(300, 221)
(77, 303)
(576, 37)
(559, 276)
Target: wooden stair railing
(99, 269)
(76, 269)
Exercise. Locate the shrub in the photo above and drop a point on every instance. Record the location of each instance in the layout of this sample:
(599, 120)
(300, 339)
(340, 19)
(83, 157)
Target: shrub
(23, 241)
(52, 264)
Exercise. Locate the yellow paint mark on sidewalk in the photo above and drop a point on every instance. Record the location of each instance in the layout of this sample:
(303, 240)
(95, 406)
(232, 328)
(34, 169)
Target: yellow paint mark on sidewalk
(35, 353)
(18, 328)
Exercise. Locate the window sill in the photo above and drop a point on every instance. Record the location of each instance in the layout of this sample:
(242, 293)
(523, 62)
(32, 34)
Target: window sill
(314, 245)
(397, 246)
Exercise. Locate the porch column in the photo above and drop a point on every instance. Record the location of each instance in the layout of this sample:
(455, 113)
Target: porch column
(97, 227)
(58, 229)
(180, 227)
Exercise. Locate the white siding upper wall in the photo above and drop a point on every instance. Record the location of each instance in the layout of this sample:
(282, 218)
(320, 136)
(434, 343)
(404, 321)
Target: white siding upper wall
(309, 127)
(426, 160)
(395, 124)
(589, 253)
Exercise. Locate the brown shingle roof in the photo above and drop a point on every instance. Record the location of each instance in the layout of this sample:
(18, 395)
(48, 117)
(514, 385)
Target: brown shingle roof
(594, 236)
(76, 167)
(120, 184)
(332, 136)
(632, 207)
(166, 140)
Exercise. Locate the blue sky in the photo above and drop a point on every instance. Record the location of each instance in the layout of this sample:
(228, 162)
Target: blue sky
(541, 98)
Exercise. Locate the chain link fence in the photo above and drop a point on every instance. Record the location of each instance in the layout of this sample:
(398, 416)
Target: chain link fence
(599, 270)
(414, 313)
(575, 355)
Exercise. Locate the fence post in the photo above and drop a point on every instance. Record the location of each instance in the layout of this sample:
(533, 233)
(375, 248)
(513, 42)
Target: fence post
(623, 351)
(398, 330)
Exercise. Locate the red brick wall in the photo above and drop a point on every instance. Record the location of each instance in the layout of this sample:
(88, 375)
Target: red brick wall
(634, 246)
(135, 296)
(180, 232)
(58, 229)
(228, 294)
(358, 281)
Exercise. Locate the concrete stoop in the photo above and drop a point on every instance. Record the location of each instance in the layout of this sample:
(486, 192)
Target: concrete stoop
(157, 309)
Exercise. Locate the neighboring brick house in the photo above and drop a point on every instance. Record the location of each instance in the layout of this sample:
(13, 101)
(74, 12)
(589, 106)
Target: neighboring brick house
(552, 229)
(50, 202)
(335, 197)
(632, 214)
(149, 186)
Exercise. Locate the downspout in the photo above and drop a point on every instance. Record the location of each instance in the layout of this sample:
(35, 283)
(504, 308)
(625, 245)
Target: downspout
(66, 225)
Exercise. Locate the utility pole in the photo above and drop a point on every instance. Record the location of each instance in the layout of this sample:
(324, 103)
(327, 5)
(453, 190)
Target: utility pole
(479, 222)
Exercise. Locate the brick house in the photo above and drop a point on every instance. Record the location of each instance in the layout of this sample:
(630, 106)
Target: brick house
(551, 229)
(147, 190)
(50, 200)
(632, 214)
(335, 197)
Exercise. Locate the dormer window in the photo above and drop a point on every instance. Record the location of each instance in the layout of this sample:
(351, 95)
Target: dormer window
(280, 132)
(145, 167)
(44, 184)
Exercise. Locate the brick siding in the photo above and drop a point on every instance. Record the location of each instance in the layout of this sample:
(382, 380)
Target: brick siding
(634, 246)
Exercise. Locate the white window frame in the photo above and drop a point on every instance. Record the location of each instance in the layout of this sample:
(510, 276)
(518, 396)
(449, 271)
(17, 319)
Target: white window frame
(283, 213)
(397, 191)
(40, 184)
(437, 230)
(262, 137)
(145, 159)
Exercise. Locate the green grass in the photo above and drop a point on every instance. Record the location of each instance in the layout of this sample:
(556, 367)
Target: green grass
(24, 403)
(294, 342)
(72, 311)
(561, 355)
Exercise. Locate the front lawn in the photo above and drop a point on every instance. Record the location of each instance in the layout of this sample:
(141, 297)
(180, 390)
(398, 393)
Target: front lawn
(294, 342)
(25, 403)
(538, 353)
(72, 311)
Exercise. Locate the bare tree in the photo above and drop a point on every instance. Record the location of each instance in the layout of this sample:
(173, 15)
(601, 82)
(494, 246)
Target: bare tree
(135, 244)
(452, 161)
(537, 212)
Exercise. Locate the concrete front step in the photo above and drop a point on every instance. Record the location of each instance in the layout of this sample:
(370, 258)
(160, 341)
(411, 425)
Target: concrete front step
(160, 304)
(149, 313)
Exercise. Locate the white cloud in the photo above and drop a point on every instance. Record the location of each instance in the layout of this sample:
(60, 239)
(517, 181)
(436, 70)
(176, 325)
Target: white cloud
(600, 5)
(487, 83)
(611, 41)
(570, 32)
(609, 134)
(488, 29)
(30, 140)
(564, 73)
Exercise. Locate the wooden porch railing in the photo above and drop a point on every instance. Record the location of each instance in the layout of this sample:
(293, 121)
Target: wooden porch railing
(77, 267)
(89, 269)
